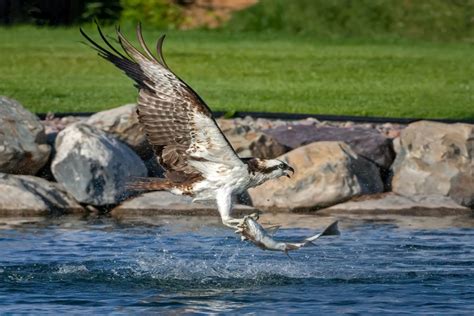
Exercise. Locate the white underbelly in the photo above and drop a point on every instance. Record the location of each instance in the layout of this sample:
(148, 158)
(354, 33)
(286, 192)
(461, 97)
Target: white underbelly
(207, 189)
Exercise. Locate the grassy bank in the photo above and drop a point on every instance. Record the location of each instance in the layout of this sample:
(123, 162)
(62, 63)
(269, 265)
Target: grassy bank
(49, 70)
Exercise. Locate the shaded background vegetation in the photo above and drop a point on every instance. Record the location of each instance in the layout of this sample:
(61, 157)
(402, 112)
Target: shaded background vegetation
(446, 20)
(159, 13)
(425, 19)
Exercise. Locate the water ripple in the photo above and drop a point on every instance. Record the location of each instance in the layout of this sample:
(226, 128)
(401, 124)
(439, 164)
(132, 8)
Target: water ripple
(107, 268)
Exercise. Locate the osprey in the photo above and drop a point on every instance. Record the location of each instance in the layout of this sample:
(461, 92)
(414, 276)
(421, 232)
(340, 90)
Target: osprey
(198, 159)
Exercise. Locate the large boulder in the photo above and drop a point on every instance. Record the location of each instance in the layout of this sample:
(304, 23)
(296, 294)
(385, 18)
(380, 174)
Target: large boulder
(122, 122)
(395, 204)
(165, 203)
(23, 148)
(93, 166)
(28, 195)
(366, 142)
(436, 159)
(326, 173)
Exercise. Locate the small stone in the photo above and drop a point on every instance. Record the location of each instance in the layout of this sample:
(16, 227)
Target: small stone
(248, 142)
(365, 142)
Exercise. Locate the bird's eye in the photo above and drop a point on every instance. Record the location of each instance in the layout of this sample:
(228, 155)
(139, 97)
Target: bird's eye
(281, 166)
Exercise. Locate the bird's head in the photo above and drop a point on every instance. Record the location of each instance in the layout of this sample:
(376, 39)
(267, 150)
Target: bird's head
(270, 168)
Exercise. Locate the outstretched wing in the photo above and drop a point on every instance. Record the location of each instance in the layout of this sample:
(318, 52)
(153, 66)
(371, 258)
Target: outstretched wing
(177, 122)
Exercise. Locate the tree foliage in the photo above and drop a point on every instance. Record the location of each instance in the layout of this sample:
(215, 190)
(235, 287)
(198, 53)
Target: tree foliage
(153, 13)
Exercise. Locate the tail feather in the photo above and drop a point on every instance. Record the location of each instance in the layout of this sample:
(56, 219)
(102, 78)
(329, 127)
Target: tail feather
(148, 184)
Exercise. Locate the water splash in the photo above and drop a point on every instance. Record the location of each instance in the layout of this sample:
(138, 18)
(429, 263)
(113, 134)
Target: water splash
(207, 269)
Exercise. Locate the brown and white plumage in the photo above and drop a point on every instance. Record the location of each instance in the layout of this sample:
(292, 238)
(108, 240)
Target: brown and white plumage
(198, 159)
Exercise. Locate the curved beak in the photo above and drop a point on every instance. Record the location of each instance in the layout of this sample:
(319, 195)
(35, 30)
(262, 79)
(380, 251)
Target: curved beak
(292, 172)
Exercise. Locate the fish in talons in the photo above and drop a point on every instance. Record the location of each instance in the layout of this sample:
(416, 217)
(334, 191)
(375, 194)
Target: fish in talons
(251, 230)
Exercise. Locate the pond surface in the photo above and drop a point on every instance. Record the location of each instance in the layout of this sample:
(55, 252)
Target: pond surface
(179, 265)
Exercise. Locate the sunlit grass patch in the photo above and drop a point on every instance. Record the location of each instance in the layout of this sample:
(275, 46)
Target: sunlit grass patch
(50, 70)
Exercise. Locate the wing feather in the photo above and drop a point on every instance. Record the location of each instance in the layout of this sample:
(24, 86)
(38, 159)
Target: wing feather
(178, 123)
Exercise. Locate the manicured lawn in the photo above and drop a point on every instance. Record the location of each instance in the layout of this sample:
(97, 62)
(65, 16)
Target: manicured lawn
(50, 70)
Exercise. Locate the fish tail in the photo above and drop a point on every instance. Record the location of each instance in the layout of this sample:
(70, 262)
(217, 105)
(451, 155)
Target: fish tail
(331, 230)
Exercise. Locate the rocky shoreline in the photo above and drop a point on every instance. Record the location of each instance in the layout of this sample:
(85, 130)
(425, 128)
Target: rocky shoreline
(80, 165)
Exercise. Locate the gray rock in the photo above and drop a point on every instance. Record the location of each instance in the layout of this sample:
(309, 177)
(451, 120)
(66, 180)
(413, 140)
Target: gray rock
(392, 203)
(29, 195)
(256, 144)
(248, 142)
(366, 142)
(122, 122)
(94, 167)
(326, 173)
(436, 159)
(165, 203)
(23, 148)
(53, 125)
(396, 145)
(154, 168)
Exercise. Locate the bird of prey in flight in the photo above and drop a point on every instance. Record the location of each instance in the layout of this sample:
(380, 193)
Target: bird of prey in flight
(198, 159)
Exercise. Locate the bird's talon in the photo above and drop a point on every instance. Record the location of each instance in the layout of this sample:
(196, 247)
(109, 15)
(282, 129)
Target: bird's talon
(254, 216)
(235, 223)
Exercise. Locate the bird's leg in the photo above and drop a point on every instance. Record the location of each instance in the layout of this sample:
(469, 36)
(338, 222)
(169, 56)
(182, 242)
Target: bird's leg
(224, 205)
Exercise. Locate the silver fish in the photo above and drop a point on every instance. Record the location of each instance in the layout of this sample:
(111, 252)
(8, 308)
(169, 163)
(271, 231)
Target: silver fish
(253, 231)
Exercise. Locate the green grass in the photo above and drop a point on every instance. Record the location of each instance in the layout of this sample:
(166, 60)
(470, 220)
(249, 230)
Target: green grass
(49, 70)
(438, 20)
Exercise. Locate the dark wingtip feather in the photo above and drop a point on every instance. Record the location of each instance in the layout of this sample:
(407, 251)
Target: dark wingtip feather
(128, 65)
(159, 49)
(95, 46)
(107, 42)
(143, 43)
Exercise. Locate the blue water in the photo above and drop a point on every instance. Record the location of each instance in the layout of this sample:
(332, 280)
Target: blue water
(106, 266)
